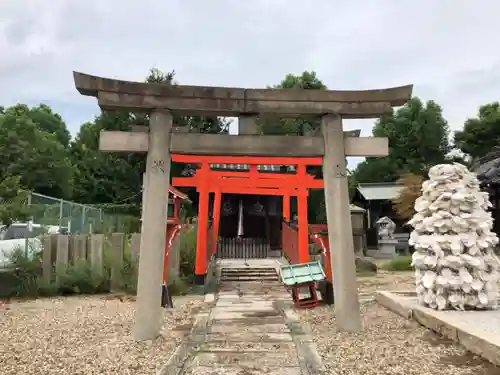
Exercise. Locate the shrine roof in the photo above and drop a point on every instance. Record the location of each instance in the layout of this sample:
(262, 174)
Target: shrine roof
(487, 168)
(246, 167)
(380, 190)
(177, 194)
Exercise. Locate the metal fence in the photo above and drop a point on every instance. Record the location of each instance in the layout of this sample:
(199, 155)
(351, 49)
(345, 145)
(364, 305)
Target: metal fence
(78, 218)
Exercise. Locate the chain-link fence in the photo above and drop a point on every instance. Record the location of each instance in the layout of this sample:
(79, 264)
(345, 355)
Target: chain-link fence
(78, 218)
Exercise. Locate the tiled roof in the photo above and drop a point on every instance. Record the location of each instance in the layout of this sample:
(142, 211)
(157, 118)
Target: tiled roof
(488, 167)
(380, 191)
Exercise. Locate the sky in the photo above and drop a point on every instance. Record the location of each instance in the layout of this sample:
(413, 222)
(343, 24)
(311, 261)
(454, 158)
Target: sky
(448, 49)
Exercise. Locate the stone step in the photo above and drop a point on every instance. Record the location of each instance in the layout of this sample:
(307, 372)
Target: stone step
(249, 274)
(254, 274)
(248, 269)
(248, 278)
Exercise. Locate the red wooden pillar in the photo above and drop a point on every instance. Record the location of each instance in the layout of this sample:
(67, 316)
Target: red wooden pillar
(200, 269)
(216, 223)
(303, 235)
(303, 232)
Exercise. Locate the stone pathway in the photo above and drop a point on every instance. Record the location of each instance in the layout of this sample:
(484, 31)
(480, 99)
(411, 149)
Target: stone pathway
(250, 329)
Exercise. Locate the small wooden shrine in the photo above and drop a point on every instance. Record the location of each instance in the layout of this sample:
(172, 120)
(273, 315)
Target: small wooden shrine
(251, 196)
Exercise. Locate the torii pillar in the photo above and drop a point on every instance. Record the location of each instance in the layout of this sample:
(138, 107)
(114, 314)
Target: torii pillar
(339, 225)
(148, 317)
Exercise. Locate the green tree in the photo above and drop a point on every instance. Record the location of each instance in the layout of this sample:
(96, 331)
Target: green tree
(300, 126)
(418, 139)
(44, 118)
(13, 200)
(105, 177)
(36, 156)
(110, 178)
(295, 126)
(480, 134)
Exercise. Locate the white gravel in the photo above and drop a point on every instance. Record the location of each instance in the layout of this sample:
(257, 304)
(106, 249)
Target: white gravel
(86, 335)
(388, 343)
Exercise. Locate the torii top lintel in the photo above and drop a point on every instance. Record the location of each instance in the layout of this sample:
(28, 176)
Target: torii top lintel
(227, 101)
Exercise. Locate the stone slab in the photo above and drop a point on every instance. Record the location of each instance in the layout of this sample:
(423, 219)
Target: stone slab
(477, 331)
(245, 359)
(247, 303)
(251, 298)
(230, 315)
(238, 308)
(261, 328)
(230, 370)
(247, 321)
(287, 347)
(249, 336)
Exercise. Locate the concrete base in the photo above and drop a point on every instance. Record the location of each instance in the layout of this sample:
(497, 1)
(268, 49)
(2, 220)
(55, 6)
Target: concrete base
(477, 331)
(387, 248)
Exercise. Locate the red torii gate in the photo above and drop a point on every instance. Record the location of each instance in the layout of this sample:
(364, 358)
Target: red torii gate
(252, 181)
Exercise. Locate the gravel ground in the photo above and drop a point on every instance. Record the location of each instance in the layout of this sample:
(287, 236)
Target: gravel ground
(385, 280)
(388, 343)
(86, 335)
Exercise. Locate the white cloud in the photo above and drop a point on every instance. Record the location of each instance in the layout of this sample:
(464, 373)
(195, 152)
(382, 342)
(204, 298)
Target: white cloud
(448, 49)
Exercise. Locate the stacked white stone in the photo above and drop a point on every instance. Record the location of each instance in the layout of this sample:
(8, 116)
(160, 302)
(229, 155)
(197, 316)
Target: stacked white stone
(455, 266)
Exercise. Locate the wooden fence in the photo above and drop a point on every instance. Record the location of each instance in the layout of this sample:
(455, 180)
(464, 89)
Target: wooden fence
(64, 250)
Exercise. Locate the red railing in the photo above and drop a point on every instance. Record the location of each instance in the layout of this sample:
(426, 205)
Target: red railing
(289, 242)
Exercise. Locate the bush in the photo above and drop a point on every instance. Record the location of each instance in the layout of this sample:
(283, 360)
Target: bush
(178, 287)
(187, 252)
(80, 278)
(399, 263)
(26, 271)
(24, 276)
(128, 273)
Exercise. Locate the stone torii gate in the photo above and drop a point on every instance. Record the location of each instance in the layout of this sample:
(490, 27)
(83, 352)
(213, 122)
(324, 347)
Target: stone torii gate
(160, 142)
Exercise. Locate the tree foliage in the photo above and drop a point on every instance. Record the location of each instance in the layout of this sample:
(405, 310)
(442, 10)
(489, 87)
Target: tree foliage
(405, 202)
(13, 199)
(418, 139)
(44, 118)
(299, 126)
(37, 153)
(117, 178)
(480, 134)
(37, 156)
(295, 126)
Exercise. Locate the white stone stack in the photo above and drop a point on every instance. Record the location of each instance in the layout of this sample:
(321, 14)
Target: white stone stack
(455, 266)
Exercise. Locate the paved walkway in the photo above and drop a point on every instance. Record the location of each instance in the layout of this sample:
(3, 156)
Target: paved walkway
(250, 329)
